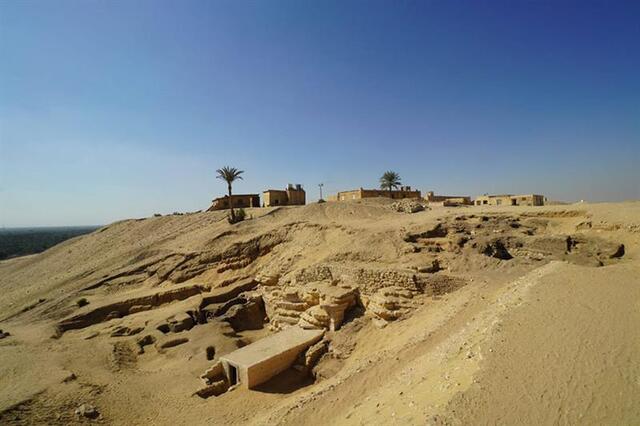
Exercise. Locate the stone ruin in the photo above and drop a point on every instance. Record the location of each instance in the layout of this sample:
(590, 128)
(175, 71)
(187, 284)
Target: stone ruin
(315, 299)
(320, 296)
(316, 305)
(390, 304)
(408, 205)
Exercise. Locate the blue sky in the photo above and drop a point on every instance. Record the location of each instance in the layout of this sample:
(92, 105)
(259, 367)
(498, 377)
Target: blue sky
(118, 109)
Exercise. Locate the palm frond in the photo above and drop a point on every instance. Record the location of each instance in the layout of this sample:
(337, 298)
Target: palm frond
(229, 174)
(390, 180)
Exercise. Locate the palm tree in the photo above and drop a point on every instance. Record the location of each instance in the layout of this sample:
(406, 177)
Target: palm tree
(229, 175)
(390, 180)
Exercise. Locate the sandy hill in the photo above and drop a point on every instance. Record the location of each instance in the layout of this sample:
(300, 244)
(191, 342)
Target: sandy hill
(472, 315)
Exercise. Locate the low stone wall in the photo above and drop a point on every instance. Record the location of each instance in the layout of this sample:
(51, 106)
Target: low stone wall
(386, 294)
(370, 280)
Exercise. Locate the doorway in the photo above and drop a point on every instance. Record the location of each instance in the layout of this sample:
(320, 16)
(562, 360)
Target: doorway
(233, 375)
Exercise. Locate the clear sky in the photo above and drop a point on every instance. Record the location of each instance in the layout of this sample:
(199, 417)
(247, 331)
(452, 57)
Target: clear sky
(119, 109)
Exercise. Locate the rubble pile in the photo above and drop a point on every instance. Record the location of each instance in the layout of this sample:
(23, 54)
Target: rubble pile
(390, 304)
(408, 206)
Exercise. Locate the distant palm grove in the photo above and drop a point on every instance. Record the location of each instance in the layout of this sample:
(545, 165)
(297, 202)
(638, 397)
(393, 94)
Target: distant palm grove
(16, 242)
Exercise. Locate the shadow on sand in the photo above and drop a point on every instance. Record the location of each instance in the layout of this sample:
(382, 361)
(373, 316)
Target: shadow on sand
(286, 382)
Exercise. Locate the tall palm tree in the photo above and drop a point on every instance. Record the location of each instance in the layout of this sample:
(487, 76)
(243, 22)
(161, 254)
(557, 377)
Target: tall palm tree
(229, 175)
(390, 180)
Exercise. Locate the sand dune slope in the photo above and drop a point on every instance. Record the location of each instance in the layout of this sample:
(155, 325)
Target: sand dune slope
(464, 316)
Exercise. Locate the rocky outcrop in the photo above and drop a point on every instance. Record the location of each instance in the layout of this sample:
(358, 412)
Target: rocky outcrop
(391, 303)
(578, 249)
(308, 359)
(176, 323)
(495, 248)
(226, 293)
(267, 278)
(315, 317)
(180, 322)
(314, 353)
(431, 267)
(284, 306)
(139, 308)
(249, 315)
(126, 331)
(145, 341)
(88, 411)
(180, 267)
(319, 305)
(123, 308)
(335, 301)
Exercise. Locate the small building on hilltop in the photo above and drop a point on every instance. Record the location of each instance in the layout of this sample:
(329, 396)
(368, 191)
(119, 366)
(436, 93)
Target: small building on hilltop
(448, 200)
(238, 201)
(292, 196)
(396, 194)
(510, 200)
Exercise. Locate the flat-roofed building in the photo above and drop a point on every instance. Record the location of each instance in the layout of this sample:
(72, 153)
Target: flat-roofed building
(448, 200)
(238, 201)
(396, 194)
(260, 361)
(510, 200)
(292, 196)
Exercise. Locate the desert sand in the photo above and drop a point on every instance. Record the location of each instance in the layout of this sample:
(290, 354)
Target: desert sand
(469, 315)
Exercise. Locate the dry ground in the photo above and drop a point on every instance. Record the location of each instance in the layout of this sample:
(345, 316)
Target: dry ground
(540, 328)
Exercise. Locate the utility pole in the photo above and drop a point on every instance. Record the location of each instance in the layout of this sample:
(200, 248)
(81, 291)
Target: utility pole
(320, 185)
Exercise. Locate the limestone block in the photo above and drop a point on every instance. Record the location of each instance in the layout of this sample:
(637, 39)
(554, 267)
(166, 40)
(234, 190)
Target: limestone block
(292, 306)
(247, 316)
(267, 278)
(216, 371)
(180, 322)
(391, 303)
(214, 389)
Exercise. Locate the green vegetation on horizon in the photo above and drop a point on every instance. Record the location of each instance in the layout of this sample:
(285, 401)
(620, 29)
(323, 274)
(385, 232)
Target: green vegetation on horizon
(229, 175)
(390, 180)
(24, 241)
